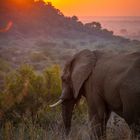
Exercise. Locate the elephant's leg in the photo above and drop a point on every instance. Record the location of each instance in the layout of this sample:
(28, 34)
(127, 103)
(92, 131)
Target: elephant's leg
(96, 127)
(131, 112)
(128, 116)
(98, 123)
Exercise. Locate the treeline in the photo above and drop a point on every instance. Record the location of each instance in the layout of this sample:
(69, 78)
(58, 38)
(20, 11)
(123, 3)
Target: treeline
(43, 18)
(27, 93)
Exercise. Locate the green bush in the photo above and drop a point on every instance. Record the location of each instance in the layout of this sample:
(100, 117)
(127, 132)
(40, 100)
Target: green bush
(26, 92)
(53, 81)
(37, 57)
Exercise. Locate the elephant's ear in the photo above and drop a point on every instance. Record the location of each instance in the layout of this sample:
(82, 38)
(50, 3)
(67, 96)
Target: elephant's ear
(81, 69)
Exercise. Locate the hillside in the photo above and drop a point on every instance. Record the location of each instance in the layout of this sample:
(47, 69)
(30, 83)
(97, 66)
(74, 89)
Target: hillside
(40, 35)
(45, 19)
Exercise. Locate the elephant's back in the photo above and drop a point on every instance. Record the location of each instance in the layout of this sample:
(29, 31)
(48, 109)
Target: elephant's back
(131, 79)
(119, 64)
(115, 70)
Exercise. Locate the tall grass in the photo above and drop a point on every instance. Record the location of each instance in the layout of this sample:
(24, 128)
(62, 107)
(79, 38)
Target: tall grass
(51, 128)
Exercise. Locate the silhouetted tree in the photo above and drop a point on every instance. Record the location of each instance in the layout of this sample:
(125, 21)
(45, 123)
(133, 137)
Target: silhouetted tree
(75, 18)
(94, 25)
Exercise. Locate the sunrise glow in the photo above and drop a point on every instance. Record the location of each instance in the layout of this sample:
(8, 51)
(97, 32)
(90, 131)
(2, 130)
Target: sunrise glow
(98, 7)
(19, 2)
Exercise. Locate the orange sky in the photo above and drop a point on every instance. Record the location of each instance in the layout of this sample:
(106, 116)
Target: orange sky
(98, 7)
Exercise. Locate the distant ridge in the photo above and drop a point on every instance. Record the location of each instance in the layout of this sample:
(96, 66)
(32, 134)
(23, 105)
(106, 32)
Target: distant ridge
(40, 35)
(44, 18)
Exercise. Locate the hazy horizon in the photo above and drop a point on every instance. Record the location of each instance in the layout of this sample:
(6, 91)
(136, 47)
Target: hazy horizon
(127, 26)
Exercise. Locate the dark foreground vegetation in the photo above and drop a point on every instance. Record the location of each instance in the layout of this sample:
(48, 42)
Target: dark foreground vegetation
(32, 54)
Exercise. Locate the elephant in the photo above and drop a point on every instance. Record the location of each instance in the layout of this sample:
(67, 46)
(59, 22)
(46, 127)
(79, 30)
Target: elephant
(110, 82)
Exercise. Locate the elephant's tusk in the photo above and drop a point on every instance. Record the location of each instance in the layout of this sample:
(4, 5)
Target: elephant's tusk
(56, 104)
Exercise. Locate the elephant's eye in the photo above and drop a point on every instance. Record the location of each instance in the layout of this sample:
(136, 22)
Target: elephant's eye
(63, 78)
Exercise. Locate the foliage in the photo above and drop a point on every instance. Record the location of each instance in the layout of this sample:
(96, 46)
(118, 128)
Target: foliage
(52, 80)
(27, 92)
(4, 65)
(37, 57)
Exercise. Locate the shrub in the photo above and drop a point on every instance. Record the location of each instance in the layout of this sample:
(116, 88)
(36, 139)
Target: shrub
(53, 81)
(27, 92)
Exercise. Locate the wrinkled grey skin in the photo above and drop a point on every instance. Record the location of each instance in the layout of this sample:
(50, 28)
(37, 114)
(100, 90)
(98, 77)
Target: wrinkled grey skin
(109, 82)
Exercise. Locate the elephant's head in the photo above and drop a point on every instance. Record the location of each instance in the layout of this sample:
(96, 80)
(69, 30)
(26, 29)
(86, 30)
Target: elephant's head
(75, 73)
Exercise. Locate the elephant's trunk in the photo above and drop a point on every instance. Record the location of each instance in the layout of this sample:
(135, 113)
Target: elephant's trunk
(67, 109)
